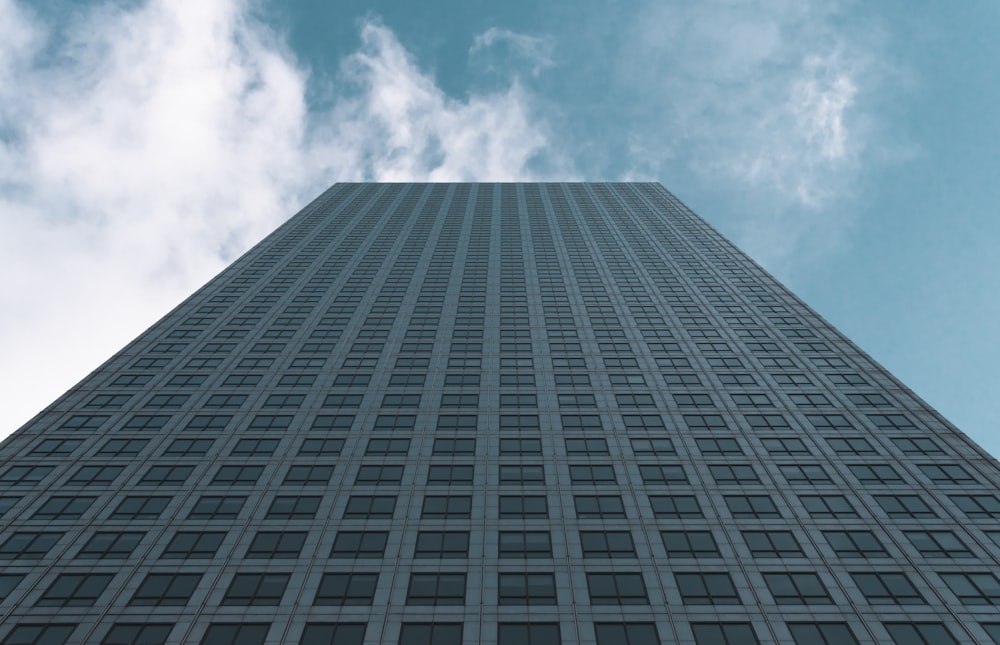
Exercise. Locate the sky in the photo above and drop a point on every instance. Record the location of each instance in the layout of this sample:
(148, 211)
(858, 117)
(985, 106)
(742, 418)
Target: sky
(849, 147)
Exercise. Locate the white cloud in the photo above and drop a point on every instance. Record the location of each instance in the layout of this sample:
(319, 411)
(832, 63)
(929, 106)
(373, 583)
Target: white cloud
(773, 98)
(144, 148)
(537, 50)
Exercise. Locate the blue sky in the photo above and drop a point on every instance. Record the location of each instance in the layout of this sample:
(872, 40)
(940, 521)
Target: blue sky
(849, 147)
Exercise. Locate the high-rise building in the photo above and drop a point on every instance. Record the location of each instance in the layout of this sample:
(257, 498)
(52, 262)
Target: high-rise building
(433, 414)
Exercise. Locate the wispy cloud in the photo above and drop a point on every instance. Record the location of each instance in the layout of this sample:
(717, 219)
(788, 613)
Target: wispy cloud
(773, 98)
(536, 50)
(146, 146)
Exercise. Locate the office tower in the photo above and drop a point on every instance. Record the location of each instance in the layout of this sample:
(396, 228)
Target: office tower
(501, 413)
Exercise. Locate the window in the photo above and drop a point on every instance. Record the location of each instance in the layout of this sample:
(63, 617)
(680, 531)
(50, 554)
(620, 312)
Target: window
(436, 589)
(256, 590)
(643, 422)
(188, 447)
(626, 634)
(114, 401)
(165, 590)
(752, 400)
(586, 446)
(225, 401)
(977, 506)
(973, 588)
(138, 507)
(455, 446)
(7, 503)
(706, 422)
(346, 590)
(522, 474)
(513, 380)
(707, 589)
(200, 423)
(217, 507)
(575, 422)
(616, 589)
(75, 590)
(592, 474)
(772, 544)
(804, 474)
(379, 446)
(919, 634)
(891, 422)
(454, 400)
(607, 544)
(784, 446)
(851, 446)
(193, 544)
(367, 507)
(938, 544)
(238, 475)
(904, 506)
(525, 544)
(333, 633)
(441, 475)
(95, 475)
(39, 634)
(527, 589)
(948, 474)
(89, 422)
(137, 634)
(166, 475)
(714, 447)
(823, 633)
(527, 633)
(359, 544)
(875, 474)
(281, 422)
(681, 380)
(276, 544)
(917, 446)
(520, 446)
(827, 506)
(28, 545)
(689, 544)
(799, 588)
(524, 506)
(58, 447)
(737, 379)
(752, 506)
(733, 474)
(855, 544)
(63, 507)
(395, 422)
(308, 475)
(663, 474)
(457, 422)
(653, 446)
(111, 544)
(675, 506)
(256, 447)
(447, 506)
(431, 634)
(384, 474)
(871, 399)
(442, 544)
(887, 588)
(724, 634)
(598, 506)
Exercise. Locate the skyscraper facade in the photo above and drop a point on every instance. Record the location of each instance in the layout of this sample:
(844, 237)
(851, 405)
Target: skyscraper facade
(433, 414)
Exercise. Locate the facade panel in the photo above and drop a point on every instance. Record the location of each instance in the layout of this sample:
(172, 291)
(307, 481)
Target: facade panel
(495, 413)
